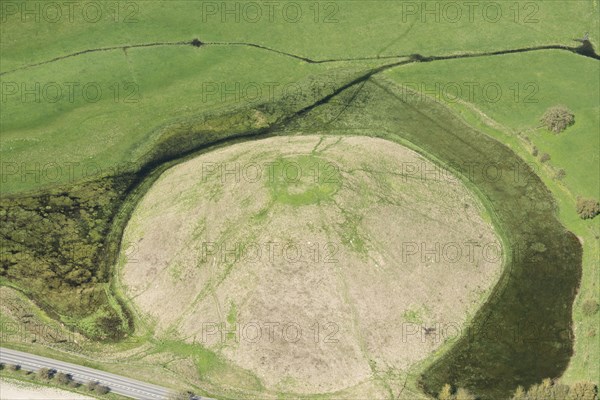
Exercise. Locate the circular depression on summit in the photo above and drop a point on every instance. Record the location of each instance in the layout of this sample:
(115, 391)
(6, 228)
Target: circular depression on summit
(314, 263)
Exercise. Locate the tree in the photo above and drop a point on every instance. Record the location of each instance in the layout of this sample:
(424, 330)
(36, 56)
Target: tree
(446, 393)
(587, 208)
(583, 391)
(45, 373)
(520, 394)
(545, 157)
(182, 395)
(13, 367)
(463, 394)
(74, 384)
(101, 389)
(590, 307)
(552, 390)
(63, 379)
(556, 119)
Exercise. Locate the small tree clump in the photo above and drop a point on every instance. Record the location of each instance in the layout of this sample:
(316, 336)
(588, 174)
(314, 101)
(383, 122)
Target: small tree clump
(63, 379)
(45, 373)
(13, 367)
(460, 394)
(446, 393)
(587, 208)
(556, 119)
(183, 395)
(590, 307)
(463, 394)
(101, 389)
(74, 384)
(591, 333)
(583, 391)
(550, 389)
(545, 157)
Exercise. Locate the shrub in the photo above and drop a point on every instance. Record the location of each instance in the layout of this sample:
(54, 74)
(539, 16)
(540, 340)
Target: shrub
(591, 333)
(13, 367)
(583, 391)
(101, 389)
(183, 395)
(556, 119)
(587, 208)
(463, 394)
(63, 379)
(45, 373)
(590, 307)
(560, 174)
(545, 157)
(74, 384)
(448, 394)
(520, 394)
(91, 385)
(534, 151)
(551, 390)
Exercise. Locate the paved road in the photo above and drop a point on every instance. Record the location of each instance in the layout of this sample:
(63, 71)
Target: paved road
(117, 384)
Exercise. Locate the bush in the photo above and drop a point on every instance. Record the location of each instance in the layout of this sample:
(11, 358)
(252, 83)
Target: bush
(183, 395)
(591, 333)
(91, 385)
(463, 394)
(560, 174)
(550, 390)
(590, 307)
(534, 151)
(583, 391)
(13, 367)
(101, 389)
(545, 157)
(45, 373)
(587, 208)
(74, 384)
(63, 379)
(556, 119)
(460, 394)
